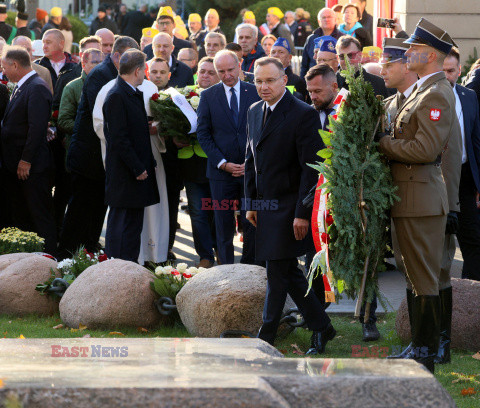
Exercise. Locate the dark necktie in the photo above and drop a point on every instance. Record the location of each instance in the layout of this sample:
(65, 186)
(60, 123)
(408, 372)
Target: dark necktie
(327, 112)
(234, 106)
(266, 115)
(13, 92)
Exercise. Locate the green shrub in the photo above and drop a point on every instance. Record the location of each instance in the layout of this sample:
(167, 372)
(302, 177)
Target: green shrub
(79, 28)
(13, 240)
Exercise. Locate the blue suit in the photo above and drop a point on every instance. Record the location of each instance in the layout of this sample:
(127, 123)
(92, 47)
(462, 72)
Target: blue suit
(469, 217)
(222, 139)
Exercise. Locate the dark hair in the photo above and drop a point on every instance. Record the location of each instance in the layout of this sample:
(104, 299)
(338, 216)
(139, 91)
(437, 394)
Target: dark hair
(90, 39)
(261, 62)
(158, 59)
(337, 7)
(65, 24)
(17, 54)
(205, 59)
(123, 43)
(346, 6)
(323, 70)
(233, 47)
(130, 61)
(455, 53)
(345, 41)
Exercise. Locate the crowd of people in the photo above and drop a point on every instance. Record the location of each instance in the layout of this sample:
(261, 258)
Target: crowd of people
(77, 138)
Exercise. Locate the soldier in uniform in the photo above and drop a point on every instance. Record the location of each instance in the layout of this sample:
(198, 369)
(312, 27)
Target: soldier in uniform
(5, 29)
(421, 131)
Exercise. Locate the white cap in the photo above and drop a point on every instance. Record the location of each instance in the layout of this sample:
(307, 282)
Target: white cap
(37, 47)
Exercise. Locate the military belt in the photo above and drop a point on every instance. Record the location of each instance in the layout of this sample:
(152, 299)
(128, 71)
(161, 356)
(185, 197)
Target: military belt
(437, 161)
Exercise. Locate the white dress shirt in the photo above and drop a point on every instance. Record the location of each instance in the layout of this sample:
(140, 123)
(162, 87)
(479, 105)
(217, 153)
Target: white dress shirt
(422, 80)
(459, 110)
(24, 78)
(57, 66)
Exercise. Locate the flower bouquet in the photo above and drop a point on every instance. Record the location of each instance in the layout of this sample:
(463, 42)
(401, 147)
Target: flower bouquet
(13, 240)
(70, 269)
(167, 282)
(174, 111)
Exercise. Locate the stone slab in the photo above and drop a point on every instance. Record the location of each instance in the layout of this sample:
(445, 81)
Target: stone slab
(203, 373)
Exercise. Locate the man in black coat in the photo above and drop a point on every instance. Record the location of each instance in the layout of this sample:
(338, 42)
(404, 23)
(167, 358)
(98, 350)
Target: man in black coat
(5, 29)
(102, 21)
(25, 152)
(166, 24)
(86, 210)
(282, 140)
(134, 22)
(130, 183)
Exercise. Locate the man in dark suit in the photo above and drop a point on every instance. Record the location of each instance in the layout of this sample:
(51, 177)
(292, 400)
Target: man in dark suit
(348, 46)
(86, 210)
(281, 50)
(25, 152)
(166, 24)
(134, 22)
(469, 217)
(130, 183)
(221, 131)
(282, 140)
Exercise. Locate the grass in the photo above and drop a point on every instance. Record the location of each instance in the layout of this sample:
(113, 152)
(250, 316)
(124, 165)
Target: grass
(462, 373)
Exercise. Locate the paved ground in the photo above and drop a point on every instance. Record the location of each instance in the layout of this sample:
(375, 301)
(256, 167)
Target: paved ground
(392, 283)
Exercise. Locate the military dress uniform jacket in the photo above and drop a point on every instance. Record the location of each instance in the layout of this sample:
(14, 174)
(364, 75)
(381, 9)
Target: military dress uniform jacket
(421, 132)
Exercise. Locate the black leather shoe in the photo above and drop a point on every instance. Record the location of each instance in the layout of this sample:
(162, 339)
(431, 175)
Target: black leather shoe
(370, 331)
(320, 339)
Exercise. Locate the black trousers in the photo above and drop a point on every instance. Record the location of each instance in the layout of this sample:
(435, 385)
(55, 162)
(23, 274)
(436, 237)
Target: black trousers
(85, 215)
(32, 207)
(5, 205)
(174, 182)
(124, 227)
(284, 277)
(469, 225)
(62, 183)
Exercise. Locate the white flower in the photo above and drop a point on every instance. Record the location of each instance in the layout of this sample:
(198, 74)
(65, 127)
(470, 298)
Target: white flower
(168, 268)
(178, 277)
(66, 263)
(159, 270)
(201, 269)
(192, 270)
(163, 96)
(182, 267)
(194, 101)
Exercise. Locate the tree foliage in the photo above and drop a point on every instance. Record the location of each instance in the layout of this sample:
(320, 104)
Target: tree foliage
(361, 191)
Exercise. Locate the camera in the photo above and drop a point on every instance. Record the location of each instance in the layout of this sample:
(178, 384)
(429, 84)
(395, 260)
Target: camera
(385, 23)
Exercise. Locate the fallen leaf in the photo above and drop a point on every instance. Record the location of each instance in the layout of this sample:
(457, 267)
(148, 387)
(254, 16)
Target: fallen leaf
(476, 356)
(142, 330)
(58, 326)
(468, 391)
(115, 334)
(296, 350)
(21, 336)
(353, 321)
(81, 327)
(73, 330)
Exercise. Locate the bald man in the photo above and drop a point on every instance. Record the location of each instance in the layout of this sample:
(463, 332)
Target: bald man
(108, 38)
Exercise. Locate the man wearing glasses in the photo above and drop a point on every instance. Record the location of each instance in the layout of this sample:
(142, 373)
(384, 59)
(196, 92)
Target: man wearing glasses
(349, 47)
(326, 52)
(282, 139)
(166, 24)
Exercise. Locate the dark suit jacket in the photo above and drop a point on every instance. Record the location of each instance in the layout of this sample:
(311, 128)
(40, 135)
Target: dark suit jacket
(84, 153)
(276, 169)
(177, 42)
(377, 83)
(472, 82)
(216, 131)
(63, 79)
(24, 127)
(129, 150)
(367, 22)
(182, 74)
(471, 126)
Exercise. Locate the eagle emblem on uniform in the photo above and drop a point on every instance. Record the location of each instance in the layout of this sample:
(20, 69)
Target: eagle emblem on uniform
(435, 114)
(285, 44)
(331, 47)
